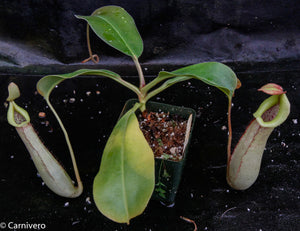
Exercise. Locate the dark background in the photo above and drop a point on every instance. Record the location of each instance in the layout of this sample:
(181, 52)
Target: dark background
(258, 39)
(174, 32)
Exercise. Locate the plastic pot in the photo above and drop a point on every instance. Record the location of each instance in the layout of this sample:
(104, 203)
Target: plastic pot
(168, 172)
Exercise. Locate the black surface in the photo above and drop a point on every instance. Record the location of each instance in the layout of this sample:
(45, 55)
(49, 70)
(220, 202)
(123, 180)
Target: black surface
(178, 32)
(272, 203)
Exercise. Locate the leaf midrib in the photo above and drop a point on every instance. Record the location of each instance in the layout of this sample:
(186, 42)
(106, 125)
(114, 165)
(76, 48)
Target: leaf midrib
(106, 20)
(123, 171)
(63, 77)
(198, 77)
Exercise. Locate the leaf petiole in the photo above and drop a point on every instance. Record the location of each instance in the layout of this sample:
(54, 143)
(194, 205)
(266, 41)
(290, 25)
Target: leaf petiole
(165, 85)
(140, 72)
(76, 171)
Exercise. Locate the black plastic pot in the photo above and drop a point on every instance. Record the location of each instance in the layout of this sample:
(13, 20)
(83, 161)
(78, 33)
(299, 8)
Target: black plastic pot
(167, 172)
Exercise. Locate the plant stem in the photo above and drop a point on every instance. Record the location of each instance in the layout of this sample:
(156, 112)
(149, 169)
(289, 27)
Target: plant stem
(151, 85)
(229, 133)
(89, 45)
(161, 88)
(165, 85)
(143, 106)
(154, 82)
(131, 87)
(140, 72)
(79, 182)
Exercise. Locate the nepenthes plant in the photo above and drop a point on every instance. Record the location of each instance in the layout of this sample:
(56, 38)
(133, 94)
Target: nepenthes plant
(126, 180)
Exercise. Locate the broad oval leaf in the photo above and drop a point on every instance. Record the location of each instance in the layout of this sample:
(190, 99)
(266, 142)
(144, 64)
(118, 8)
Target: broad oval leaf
(212, 73)
(117, 28)
(125, 181)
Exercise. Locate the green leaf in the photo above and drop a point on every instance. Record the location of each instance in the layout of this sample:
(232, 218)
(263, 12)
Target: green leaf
(166, 174)
(211, 73)
(164, 86)
(125, 181)
(48, 83)
(117, 28)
